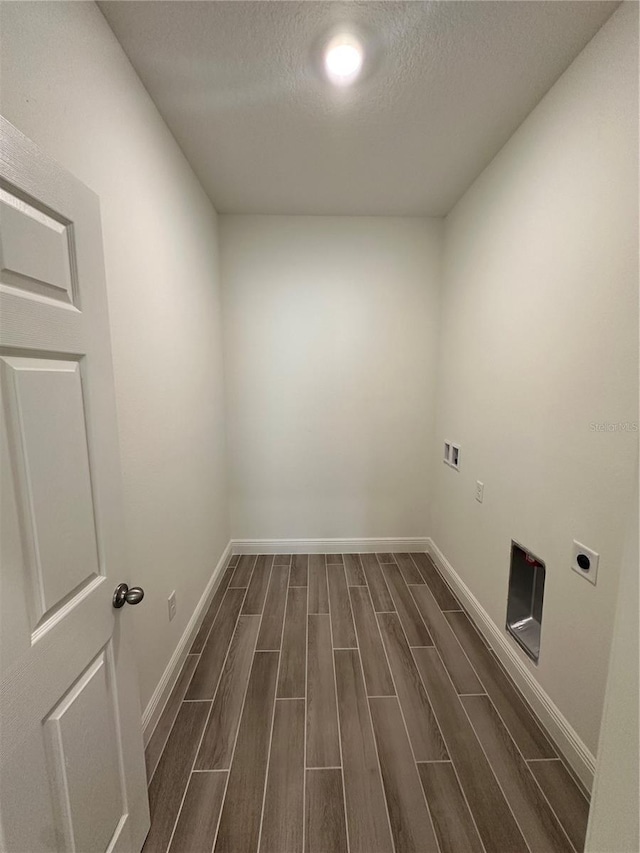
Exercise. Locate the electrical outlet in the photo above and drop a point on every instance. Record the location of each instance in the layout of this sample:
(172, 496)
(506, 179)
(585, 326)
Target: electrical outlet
(584, 562)
(172, 605)
(479, 491)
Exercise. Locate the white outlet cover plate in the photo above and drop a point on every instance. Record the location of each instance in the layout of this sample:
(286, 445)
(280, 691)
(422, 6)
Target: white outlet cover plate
(592, 573)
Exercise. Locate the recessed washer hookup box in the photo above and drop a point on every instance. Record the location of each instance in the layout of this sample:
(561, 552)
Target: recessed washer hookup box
(525, 599)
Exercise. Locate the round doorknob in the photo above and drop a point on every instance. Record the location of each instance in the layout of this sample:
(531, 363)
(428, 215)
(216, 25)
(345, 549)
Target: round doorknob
(124, 595)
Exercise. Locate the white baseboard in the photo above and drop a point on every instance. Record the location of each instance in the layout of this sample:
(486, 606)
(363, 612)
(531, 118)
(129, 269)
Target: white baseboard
(162, 692)
(570, 744)
(329, 546)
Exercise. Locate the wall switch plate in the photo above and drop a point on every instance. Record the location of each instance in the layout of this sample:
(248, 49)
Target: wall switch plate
(584, 562)
(446, 457)
(479, 491)
(172, 605)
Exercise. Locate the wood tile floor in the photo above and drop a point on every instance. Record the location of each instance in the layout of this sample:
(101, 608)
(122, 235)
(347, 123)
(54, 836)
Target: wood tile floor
(346, 704)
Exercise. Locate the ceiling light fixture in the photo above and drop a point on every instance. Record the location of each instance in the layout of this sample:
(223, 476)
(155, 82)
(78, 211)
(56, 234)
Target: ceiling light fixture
(343, 59)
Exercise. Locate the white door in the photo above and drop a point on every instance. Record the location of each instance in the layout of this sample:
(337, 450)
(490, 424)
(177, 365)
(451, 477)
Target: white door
(72, 772)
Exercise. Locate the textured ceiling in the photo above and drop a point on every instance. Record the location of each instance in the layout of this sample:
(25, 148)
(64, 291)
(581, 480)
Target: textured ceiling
(446, 84)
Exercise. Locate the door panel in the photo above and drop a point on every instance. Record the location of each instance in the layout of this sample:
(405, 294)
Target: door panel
(47, 432)
(47, 271)
(72, 774)
(80, 734)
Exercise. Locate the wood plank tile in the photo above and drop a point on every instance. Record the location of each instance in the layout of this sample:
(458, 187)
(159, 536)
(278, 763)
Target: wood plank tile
(284, 799)
(242, 572)
(205, 678)
(257, 591)
(496, 825)
(408, 569)
(441, 592)
(424, 733)
(241, 813)
(537, 822)
(219, 736)
(414, 627)
(366, 813)
(291, 682)
(318, 592)
(376, 671)
(343, 631)
(334, 559)
(203, 632)
(380, 595)
(282, 560)
(566, 799)
(198, 821)
(326, 830)
(323, 744)
(161, 732)
(234, 560)
(455, 830)
(475, 637)
(270, 636)
(299, 567)
(353, 570)
(410, 822)
(515, 714)
(453, 657)
(386, 558)
(172, 774)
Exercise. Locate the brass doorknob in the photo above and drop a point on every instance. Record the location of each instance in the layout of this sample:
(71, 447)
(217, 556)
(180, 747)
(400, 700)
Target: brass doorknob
(123, 595)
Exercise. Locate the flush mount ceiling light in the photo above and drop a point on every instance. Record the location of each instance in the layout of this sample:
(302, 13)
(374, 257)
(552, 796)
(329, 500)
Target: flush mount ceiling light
(343, 58)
